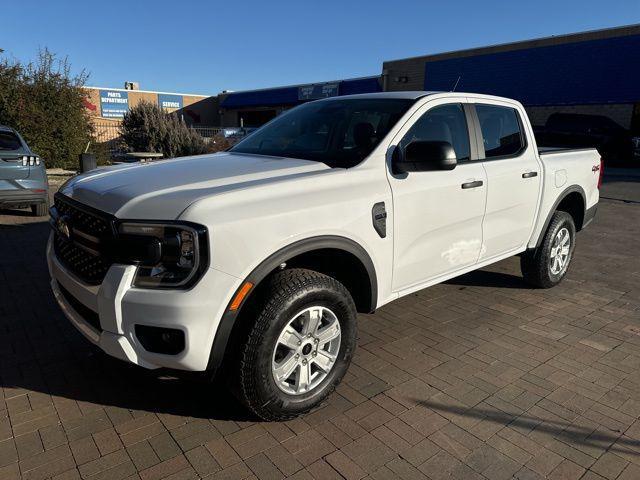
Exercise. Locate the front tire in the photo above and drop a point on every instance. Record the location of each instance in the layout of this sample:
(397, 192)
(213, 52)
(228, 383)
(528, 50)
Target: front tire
(299, 346)
(548, 264)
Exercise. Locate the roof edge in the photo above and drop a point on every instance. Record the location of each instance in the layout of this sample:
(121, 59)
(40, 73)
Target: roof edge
(610, 32)
(148, 91)
(298, 85)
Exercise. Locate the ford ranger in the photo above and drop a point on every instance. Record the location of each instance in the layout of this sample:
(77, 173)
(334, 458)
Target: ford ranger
(258, 259)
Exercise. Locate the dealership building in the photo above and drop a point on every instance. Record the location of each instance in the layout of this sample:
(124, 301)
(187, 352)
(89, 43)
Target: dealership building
(108, 105)
(589, 73)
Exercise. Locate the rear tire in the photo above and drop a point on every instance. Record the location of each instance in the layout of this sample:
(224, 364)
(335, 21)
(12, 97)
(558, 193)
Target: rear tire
(547, 265)
(40, 209)
(299, 346)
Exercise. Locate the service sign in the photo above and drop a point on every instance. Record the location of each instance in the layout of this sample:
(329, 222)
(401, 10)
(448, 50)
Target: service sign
(114, 103)
(170, 103)
(318, 90)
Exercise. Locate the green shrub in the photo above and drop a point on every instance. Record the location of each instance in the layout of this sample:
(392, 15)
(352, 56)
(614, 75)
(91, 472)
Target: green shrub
(146, 128)
(43, 100)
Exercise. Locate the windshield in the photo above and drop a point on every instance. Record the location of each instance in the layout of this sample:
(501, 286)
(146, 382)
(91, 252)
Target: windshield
(9, 141)
(340, 133)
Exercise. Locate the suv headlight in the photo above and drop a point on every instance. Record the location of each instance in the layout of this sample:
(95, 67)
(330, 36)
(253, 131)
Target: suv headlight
(168, 255)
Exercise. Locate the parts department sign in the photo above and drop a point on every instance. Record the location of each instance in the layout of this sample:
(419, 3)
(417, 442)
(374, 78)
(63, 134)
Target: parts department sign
(170, 103)
(113, 103)
(318, 90)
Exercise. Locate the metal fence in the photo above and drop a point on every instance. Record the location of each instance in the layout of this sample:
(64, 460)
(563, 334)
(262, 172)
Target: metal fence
(207, 132)
(107, 135)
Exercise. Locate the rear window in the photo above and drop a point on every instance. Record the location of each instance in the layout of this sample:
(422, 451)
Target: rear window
(501, 132)
(9, 141)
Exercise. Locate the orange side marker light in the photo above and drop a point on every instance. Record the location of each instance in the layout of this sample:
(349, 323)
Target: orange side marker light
(242, 293)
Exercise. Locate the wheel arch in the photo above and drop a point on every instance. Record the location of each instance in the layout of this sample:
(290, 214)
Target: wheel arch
(340, 257)
(572, 200)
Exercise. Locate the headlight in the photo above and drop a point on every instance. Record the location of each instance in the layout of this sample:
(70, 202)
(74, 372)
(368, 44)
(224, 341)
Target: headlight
(167, 255)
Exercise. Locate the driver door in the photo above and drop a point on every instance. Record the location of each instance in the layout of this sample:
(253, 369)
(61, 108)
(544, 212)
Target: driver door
(437, 214)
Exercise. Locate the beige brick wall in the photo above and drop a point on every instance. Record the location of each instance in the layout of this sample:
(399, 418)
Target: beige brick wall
(193, 102)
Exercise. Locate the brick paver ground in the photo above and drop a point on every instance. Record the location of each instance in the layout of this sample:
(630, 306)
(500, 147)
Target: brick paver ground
(481, 377)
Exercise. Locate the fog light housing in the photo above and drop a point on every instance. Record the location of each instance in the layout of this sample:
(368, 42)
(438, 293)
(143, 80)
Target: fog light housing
(167, 341)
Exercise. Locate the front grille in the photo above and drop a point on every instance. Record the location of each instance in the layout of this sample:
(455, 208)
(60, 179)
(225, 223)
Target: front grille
(94, 223)
(83, 254)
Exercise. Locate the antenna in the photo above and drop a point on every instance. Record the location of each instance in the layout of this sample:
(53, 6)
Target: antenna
(456, 84)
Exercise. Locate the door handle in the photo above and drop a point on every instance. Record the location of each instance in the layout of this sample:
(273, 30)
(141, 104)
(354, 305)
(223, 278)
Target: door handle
(529, 174)
(475, 184)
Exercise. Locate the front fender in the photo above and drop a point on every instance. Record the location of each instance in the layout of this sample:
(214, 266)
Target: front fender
(268, 265)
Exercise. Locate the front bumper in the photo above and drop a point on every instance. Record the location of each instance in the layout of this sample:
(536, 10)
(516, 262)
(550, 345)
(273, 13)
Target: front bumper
(119, 307)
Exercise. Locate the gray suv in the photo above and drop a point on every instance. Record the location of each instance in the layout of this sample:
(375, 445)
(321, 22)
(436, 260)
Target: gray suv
(23, 178)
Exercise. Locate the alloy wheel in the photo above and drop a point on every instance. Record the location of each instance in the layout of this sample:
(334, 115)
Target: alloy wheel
(306, 350)
(560, 250)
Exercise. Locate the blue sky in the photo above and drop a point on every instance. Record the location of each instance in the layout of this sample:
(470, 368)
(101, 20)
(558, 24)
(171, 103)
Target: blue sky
(205, 47)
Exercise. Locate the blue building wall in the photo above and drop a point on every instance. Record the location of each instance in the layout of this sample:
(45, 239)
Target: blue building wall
(580, 73)
(289, 95)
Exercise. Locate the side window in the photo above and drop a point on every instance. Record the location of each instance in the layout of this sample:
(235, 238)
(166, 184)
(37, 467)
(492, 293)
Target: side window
(446, 123)
(501, 132)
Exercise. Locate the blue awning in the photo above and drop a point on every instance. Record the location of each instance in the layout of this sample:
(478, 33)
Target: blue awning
(289, 95)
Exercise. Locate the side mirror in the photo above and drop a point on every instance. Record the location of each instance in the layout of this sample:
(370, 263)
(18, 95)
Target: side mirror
(420, 156)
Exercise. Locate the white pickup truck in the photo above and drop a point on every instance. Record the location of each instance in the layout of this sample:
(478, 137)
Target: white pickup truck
(258, 259)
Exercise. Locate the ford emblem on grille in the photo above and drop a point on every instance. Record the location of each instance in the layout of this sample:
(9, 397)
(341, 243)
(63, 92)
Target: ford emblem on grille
(62, 224)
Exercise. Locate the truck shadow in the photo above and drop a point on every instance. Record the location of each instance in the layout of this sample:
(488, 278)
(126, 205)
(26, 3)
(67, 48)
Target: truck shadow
(569, 433)
(490, 279)
(40, 351)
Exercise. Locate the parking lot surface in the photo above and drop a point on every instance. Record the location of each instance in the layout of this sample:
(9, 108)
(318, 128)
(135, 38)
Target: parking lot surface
(481, 377)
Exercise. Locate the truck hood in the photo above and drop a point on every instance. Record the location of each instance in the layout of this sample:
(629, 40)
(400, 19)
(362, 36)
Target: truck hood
(164, 189)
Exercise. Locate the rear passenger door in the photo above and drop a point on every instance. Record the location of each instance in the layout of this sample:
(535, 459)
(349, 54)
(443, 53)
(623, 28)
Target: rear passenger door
(513, 177)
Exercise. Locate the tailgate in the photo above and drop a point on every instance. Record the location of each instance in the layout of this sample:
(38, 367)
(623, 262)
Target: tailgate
(11, 167)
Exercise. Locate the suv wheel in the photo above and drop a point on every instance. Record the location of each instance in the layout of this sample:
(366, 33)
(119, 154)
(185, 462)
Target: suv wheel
(299, 346)
(546, 266)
